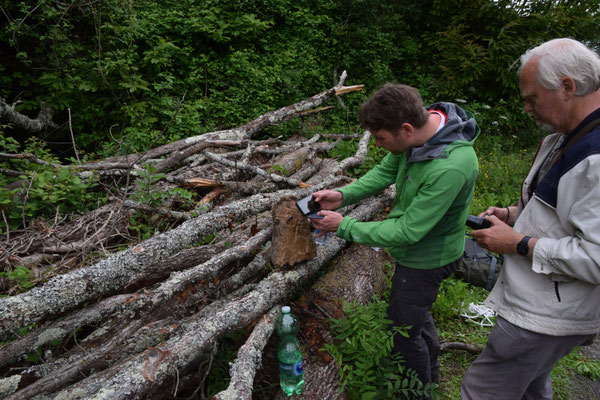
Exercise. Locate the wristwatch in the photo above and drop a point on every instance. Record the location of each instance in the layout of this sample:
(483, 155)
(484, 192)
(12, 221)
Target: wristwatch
(523, 246)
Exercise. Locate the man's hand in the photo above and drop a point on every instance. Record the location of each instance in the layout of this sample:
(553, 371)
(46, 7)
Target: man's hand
(508, 215)
(500, 238)
(328, 224)
(329, 199)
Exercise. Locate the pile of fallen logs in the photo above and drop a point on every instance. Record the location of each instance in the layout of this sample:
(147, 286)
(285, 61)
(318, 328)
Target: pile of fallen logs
(137, 322)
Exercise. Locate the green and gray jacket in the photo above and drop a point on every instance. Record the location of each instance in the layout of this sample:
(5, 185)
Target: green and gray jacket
(425, 228)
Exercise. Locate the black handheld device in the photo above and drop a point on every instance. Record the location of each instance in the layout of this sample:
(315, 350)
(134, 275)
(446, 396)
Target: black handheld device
(309, 207)
(478, 222)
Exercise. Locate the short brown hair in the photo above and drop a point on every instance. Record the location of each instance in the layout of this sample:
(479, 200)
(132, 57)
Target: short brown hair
(392, 105)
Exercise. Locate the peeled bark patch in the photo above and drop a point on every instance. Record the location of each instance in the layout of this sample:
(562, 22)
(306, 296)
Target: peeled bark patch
(292, 240)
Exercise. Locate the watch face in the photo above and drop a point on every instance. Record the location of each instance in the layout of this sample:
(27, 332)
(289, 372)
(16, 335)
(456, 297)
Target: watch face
(523, 246)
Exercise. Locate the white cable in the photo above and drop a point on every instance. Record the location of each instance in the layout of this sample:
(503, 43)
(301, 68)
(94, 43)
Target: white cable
(480, 314)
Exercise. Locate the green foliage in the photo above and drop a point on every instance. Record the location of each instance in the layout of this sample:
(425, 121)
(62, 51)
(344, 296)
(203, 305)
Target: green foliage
(123, 68)
(475, 43)
(504, 122)
(42, 191)
(362, 350)
(344, 149)
(501, 172)
(454, 296)
(22, 276)
(280, 170)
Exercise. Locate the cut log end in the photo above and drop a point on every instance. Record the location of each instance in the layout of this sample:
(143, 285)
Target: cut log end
(292, 240)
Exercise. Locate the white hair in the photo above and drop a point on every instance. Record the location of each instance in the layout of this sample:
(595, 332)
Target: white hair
(559, 58)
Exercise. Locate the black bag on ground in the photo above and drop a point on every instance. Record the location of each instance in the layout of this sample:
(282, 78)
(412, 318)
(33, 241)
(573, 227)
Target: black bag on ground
(478, 266)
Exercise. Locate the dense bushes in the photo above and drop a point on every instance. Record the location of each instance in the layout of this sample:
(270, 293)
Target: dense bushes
(123, 67)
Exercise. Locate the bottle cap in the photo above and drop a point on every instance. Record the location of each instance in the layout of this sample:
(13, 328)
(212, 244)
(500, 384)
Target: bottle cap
(285, 309)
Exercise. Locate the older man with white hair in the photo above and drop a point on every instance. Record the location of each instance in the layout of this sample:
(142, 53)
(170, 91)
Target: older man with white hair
(547, 296)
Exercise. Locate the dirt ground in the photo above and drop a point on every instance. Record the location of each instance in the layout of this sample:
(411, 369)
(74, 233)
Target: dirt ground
(584, 388)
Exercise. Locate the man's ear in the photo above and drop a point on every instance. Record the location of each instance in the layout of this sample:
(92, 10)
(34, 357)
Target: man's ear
(407, 129)
(568, 85)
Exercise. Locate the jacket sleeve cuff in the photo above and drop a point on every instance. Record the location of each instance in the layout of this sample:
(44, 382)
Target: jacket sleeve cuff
(347, 198)
(542, 256)
(345, 227)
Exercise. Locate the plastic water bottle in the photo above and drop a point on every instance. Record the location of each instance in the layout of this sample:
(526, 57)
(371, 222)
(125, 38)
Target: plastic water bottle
(291, 366)
(321, 240)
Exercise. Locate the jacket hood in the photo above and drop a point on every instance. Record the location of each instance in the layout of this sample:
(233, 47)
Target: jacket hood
(460, 130)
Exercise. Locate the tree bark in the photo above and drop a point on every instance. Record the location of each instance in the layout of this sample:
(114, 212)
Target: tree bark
(41, 122)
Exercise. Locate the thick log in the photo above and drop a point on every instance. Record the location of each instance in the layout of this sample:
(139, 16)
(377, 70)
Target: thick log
(61, 328)
(144, 305)
(292, 240)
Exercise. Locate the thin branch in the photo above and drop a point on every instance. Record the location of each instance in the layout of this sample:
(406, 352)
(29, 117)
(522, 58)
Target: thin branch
(248, 359)
(258, 171)
(27, 156)
(13, 173)
(7, 227)
(73, 137)
(471, 348)
(177, 215)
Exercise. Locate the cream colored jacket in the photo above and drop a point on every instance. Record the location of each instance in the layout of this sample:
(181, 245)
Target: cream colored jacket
(558, 293)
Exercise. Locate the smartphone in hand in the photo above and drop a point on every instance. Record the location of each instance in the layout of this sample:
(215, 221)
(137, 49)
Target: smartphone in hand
(478, 222)
(309, 207)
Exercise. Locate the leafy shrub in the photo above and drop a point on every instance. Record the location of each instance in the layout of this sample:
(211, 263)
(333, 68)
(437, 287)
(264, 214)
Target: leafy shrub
(22, 276)
(362, 350)
(42, 191)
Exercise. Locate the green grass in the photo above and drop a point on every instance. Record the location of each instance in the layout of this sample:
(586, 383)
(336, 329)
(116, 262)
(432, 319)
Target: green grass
(502, 168)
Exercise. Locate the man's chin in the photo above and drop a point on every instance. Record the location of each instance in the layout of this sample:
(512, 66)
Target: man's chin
(544, 126)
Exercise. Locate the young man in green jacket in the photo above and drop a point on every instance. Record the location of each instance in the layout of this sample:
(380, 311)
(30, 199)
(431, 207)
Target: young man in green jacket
(434, 167)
